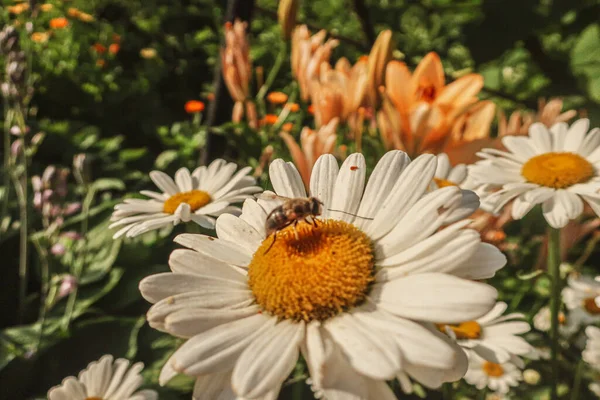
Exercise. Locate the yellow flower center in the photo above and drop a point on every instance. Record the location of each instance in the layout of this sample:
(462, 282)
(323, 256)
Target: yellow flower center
(590, 305)
(195, 199)
(493, 369)
(443, 183)
(557, 170)
(464, 330)
(312, 273)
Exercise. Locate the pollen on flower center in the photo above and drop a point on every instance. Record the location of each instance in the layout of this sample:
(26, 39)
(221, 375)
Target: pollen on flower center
(195, 199)
(315, 275)
(441, 183)
(493, 369)
(590, 306)
(464, 330)
(557, 170)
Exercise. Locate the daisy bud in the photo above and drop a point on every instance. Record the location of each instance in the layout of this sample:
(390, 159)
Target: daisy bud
(15, 130)
(16, 148)
(58, 249)
(37, 138)
(531, 376)
(286, 14)
(68, 284)
(148, 53)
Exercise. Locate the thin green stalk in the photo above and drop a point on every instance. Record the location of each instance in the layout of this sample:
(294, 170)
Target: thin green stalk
(7, 166)
(78, 268)
(45, 275)
(298, 388)
(577, 381)
(271, 78)
(554, 271)
(447, 391)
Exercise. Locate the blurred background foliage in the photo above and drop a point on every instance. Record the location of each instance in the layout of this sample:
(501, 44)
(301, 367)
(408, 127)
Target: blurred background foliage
(114, 87)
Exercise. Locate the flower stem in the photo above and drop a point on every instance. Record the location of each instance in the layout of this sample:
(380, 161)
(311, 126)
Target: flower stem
(447, 391)
(577, 381)
(554, 271)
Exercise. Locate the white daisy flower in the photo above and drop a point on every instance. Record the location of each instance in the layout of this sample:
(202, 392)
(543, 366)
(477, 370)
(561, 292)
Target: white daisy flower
(582, 299)
(447, 175)
(591, 354)
(499, 377)
(542, 322)
(104, 380)
(199, 197)
(594, 388)
(493, 337)
(355, 296)
(556, 167)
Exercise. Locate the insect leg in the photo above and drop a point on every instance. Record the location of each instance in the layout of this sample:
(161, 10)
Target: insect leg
(295, 231)
(272, 243)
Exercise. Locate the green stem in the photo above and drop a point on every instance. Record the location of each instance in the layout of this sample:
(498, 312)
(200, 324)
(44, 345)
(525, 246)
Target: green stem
(78, 267)
(45, 275)
(554, 271)
(447, 391)
(271, 78)
(7, 166)
(298, 388)
(577, 381)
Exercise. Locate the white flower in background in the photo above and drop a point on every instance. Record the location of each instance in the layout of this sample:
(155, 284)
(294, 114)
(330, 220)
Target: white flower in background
(582, 299)
(567, 325)
(594, 388)
(199, 197)
(591, 354)
(447, 175)
(556, 167)
(493, 336)
(499, 377)
(104, 380)
(355, 296)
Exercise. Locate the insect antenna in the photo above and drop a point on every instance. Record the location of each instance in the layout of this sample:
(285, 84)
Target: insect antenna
(354, 215)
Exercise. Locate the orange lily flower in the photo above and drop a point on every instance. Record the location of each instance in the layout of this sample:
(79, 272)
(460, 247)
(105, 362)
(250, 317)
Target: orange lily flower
(308, 53)
(237, 69)
(338, 92)
(59, 23)
(428, 108)
(194, 106)
(277, 97)
(313, 144)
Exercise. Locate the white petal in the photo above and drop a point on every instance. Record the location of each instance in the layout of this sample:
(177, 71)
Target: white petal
(434, 297)
(183, 179)
(348, 188)
(559, 132)
(159, 286)
(211, 208)
(540, 137)
(233, 182)
(221, 250)
(590, 143)
(236, 230)
(164, 182)
(322, 180)
(382, 180)
(268, 360)
(562, 207)
(215, 386)
(409, 187)
(218, 349)
(285, 179)
(371, 354)
(189, 322)
(576, 134)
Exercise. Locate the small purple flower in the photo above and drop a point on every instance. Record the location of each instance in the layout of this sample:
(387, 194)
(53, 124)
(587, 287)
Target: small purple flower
(72, 208)
(71, 235)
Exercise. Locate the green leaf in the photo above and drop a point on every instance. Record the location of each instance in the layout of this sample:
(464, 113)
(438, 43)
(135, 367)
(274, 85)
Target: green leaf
(132, 154)
(108, 184)
(165, 158)
(585, 60)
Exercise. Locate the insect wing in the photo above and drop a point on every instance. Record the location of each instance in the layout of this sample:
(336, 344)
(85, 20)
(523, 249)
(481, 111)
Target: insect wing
(270, 196)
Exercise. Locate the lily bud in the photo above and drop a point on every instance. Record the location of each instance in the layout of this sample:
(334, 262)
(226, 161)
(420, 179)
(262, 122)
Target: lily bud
(286, 14)
(380, 55)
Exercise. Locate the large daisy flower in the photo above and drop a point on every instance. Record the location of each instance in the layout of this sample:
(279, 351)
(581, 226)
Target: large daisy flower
(199, 197)
(556, 167)
(582, 299)
(591, 354)
(493, 336)
(104, 380)
(499, 377)
(356, 296)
